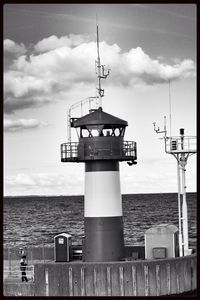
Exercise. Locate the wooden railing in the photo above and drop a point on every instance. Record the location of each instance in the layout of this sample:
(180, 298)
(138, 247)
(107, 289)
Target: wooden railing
(15, 273)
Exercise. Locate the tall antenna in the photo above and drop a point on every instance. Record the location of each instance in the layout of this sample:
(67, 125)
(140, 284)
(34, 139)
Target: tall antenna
(100, 70)
(170, 115)
(181, 147)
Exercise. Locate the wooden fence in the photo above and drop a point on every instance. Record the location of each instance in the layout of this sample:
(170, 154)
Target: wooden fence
(129, 278)
(132, 278)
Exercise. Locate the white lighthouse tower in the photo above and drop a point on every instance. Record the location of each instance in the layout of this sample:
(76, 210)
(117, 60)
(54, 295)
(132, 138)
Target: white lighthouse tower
(101, 147)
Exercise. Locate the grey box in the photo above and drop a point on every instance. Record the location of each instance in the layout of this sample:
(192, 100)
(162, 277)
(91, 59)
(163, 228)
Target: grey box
(159, 252)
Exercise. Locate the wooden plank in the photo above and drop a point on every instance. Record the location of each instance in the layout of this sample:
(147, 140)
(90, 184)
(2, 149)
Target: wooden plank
(46, 282)
(128, 283)
(157, 280)
(108, 275)
(82, 282)
(76, 280)
(140, 279)
(115, 281)
(152, 278)
(57, 280)
(193, 274)
(70, 282)
(89, 280)
(134, 281)
(163, 278)
(168, 278)
(95, 281)
(121, 280)
(39, 280)
(172, 277)
(180, 271)
(63, 280)
(177, 279)
(187, 275)
(101, 274)
(146, 280)
(195, 271)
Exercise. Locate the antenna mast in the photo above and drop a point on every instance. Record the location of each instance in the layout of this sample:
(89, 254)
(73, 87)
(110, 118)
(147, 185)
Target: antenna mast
(181, 147)
(170, 116)
(100, 72)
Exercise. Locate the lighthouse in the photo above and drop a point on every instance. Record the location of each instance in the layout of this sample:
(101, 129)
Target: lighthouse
(101, 146)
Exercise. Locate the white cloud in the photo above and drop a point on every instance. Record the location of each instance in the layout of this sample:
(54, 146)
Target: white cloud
(43, 184)
(54, 42)
(63, 63)
(14, 48)
(22, 124)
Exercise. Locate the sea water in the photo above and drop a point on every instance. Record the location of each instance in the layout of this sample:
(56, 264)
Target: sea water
(35, 220)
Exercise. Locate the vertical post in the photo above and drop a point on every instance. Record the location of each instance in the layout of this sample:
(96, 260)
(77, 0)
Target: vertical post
(99, 68)
(27, 253)
(170, 116)
(184, 213)
(69, 125)
(9, 261)
(46, 282)
(81, 108)
(179, 209)
(43, 253)
(31, 254)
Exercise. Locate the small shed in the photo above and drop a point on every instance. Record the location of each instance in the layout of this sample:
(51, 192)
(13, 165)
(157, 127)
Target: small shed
(161, 241)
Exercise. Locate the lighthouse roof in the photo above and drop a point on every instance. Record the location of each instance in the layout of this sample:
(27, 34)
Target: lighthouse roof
(99, 117)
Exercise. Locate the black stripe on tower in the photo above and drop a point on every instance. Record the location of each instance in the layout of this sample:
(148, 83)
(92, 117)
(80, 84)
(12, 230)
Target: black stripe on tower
(104, 239)
(99, 166)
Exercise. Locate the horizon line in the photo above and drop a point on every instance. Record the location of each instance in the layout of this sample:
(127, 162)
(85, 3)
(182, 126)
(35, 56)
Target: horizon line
(80, 195)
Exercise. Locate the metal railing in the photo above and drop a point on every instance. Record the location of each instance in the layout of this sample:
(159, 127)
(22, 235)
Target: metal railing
(15, 273)
(129, 148)
(179, 144)
(70, 151)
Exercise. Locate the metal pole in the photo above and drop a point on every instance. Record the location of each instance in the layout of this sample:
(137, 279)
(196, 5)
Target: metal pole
(170, 116)
(184, 212)
(99, 68)
(81, 109)
(9, 261)
(43, 252)
(31, 254)
(179, 209)
(69, 125)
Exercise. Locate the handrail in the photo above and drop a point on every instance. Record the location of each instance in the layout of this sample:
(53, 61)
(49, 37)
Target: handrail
(181, 144)
(15, 272)
(126, 148)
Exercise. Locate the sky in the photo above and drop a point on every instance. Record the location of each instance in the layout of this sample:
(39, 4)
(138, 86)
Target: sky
(49, 64)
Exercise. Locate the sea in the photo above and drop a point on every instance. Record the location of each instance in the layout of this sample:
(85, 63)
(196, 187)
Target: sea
(35, 220)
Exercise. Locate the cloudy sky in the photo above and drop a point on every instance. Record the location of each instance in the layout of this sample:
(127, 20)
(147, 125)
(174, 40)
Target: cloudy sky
(49, 64)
